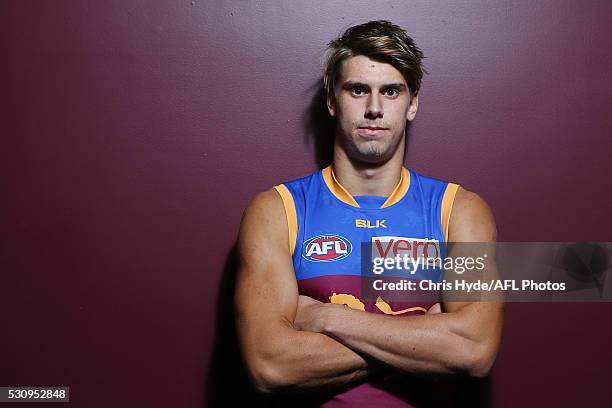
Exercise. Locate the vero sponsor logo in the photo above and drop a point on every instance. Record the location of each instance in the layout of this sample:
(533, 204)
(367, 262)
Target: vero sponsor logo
(415, 248)
(326, 248)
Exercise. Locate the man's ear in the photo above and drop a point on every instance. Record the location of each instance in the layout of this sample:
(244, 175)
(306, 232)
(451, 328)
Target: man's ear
(412, 109)
(331, 104)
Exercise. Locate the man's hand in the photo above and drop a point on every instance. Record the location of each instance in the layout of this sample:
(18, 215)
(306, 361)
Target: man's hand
(310, 314)
(435, 309)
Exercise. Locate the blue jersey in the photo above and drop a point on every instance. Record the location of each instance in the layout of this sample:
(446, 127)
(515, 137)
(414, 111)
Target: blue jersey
(334, 238)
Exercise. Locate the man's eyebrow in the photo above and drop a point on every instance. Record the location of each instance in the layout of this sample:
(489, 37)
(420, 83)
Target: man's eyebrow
(349, 84)
(398, 85)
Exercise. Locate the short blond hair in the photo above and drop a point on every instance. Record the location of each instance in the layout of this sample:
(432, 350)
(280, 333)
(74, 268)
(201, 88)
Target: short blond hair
(380, 40)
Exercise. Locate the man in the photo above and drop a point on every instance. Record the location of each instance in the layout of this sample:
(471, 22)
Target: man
(302, 317)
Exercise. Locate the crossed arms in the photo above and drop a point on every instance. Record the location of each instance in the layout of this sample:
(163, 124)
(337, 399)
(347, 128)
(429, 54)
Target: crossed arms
(292, 342)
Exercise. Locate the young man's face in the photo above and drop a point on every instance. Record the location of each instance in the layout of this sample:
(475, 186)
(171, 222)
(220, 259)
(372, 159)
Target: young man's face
(372, 104)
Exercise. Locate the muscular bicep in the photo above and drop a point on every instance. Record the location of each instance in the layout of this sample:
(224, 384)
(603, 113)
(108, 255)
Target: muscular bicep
(266, 289)
(472, 233)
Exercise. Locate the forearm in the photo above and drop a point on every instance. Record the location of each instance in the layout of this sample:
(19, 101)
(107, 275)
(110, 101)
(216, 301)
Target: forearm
(432, 344)
(299, 361)
(277, 355)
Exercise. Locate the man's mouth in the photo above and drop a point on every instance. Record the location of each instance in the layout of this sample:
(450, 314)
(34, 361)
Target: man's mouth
(372, 130)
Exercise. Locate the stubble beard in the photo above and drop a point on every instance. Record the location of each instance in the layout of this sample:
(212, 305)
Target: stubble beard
(374, 151)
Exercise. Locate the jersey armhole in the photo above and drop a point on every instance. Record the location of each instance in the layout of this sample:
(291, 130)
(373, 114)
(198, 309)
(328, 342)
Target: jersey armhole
(447, 207)
(290, 214)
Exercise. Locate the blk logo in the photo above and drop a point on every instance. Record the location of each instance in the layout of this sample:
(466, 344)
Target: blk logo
(369, 224)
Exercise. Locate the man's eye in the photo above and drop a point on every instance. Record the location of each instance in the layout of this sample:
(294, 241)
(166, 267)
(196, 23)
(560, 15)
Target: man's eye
(391, 92)
(358, 90)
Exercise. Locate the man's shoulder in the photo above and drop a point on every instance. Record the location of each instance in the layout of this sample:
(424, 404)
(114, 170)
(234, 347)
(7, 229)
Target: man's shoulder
(297, 189)
(463, 198)
(423, 178)
(301, 180)
(472, 217)
(434, 187)
(275, 200)
(264, 205)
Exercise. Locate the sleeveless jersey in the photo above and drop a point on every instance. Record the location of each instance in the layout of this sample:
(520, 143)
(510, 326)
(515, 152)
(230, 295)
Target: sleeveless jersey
(334, 236)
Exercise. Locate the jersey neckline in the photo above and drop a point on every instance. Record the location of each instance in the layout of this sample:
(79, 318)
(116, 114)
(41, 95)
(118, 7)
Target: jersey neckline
(338, 191)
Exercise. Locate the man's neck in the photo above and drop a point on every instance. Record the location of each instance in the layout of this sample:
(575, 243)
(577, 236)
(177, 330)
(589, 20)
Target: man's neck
(367, 179)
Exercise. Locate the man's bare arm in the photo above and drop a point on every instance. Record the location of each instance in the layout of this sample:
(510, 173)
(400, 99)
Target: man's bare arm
(278, 356)
(464, 340)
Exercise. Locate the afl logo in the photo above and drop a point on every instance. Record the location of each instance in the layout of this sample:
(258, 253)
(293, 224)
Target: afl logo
(326, 248)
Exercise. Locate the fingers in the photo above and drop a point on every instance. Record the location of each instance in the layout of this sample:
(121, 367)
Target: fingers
(435, 309)
(306, 300)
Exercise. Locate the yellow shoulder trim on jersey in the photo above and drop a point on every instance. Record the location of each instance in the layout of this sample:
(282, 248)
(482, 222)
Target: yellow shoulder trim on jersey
(336, 188)
(447, 207)
(290, 213)
(400, 190)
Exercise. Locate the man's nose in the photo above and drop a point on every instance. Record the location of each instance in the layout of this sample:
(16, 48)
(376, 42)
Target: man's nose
(374, 107)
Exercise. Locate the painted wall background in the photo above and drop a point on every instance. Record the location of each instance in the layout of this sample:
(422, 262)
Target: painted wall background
(134, 133)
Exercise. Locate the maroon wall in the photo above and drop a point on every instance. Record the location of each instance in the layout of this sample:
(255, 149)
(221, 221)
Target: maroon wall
(135, 132)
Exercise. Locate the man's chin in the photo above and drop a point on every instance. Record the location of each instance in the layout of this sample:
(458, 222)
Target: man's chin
(370, 152)
(373, 156)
